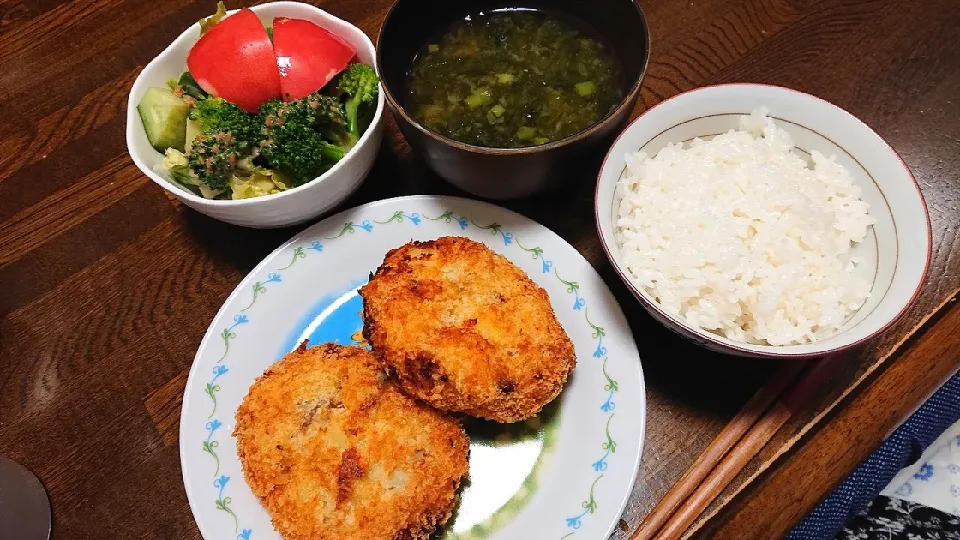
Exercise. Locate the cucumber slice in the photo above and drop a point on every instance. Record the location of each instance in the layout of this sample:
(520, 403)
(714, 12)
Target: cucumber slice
(164, 116)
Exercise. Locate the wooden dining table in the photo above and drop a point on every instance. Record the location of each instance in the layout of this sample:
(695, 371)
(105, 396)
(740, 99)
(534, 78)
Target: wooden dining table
(107, 284)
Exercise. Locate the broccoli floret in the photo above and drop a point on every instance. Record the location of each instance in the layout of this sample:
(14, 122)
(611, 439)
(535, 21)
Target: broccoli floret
(217, 115)
(290, 142)
(213, 159)
(269, 112)
(357, 87)
(331, 119)
(331, 153)
(295, 153)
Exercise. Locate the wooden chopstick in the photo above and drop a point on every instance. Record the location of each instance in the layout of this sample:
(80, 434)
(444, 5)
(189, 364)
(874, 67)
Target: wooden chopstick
(728, 437)
(756, 437)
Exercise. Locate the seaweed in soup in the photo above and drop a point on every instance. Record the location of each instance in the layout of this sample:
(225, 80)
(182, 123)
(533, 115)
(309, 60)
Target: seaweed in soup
(513, 78)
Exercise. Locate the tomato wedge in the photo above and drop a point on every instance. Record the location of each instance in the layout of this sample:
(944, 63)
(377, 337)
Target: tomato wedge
(308, 56)
(234, 60)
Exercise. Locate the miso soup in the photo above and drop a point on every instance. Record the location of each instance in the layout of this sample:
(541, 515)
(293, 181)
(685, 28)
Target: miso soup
(512, 78)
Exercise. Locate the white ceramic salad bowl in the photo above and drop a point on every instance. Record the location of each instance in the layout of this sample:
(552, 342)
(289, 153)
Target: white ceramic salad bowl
(285, 208)
(896, 251)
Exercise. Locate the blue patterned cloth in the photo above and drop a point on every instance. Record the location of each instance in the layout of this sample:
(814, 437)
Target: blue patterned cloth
(903, 448)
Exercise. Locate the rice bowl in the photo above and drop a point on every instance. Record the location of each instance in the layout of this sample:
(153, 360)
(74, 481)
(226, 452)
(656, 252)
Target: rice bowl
(737, 235)
(894, 256)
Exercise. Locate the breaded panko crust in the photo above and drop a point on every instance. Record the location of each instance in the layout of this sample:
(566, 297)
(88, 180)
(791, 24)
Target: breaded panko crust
(464, 329)
(334, 450)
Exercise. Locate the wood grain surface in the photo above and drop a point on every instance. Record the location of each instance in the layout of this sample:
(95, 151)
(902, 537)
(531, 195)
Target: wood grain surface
(107, 285)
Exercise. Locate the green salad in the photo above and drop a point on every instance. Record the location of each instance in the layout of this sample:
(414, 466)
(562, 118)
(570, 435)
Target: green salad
(217, 150)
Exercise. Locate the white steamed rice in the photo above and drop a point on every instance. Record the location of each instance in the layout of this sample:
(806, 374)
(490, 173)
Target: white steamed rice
(738, 236)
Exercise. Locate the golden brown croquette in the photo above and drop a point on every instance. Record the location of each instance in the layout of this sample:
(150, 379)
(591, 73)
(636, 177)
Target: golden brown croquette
(334, 450)
(464, 329)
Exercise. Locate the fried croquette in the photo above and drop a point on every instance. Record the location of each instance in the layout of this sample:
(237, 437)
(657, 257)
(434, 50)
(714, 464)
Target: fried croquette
(464, 329)
(334, 450)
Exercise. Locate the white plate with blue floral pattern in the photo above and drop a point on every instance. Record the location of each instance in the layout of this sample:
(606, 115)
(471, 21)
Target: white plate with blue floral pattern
(566, 473)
